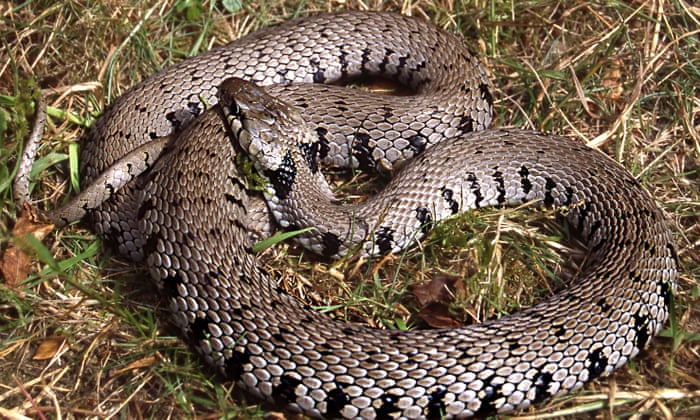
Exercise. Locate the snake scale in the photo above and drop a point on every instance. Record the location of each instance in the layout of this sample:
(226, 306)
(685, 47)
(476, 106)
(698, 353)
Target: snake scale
(187, 216)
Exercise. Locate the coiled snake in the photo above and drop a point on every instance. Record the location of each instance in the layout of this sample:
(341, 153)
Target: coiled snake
(188, 217)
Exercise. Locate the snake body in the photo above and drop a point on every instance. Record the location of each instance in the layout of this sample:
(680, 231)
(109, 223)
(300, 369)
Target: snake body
(187, 216)
(300, 60)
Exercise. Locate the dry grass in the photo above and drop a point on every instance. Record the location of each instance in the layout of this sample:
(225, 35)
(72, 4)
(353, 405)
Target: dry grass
(83, 336)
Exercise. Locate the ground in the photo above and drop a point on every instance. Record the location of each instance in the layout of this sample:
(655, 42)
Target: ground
(84, 334)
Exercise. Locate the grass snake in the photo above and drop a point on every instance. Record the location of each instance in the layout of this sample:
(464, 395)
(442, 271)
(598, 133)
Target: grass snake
(160, 179)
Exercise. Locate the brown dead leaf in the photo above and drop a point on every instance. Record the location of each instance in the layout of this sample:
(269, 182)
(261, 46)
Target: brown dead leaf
(435, 298)
(136, 364)
(15, 265)
(49, 347)
(15, 262)
(441, 289)
(438, 315)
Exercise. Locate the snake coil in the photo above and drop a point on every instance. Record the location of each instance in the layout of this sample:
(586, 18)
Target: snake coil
(187, 216)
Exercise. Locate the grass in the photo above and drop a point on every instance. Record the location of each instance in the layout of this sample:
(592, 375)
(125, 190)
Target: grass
(84, 334)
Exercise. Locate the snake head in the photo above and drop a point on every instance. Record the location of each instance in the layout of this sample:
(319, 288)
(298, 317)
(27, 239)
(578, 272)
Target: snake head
(265, 127)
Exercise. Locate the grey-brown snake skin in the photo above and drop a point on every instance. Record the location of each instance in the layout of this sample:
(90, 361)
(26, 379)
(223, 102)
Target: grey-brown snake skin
(188, 217)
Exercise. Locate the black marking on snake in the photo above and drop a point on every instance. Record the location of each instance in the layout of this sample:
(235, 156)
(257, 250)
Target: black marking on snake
(324, 148)
(594, 228)
(388, 52)
(336, 401)
(541, 384)
(301, 103)
(199, 328)
(235, 181)
(174, 120)
(549, 185)
(436, 403)
(648, 213)
(244, 279)
(151, 243)
(475, 188)
(500, 185)
(641, 324)
(636, 277)
(147, 206)
(342, 57)
(633, 182)
(598, 362)
(286, 331)
(279, 336)
(319, 73)
(234, 365)
(283, 76)
(448, 195)
(233, 200)
(170, 283)
(584, 210)
(385, 239)
(603, 305)
(491, 393)
(486, 93)
(388, 407)
(388, 112)
(239, 224)
(417, 143)
(237, 312)
(569, 194)
(467, 57)
(194, 108)
(466, 124)
(331, 244)
(525, 183)
(350, 331)
(263, 272)
(310, 153)
(283, 177)
(366, 53)
(672, 250)
(665, 292)
(559, 332)
(362, 152)
(423, 215)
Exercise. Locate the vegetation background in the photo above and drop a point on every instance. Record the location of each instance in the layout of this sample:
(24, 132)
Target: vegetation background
(84, 334)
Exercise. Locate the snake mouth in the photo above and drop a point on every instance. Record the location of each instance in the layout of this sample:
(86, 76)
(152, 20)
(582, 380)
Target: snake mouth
(233, 117)
(232, 120)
